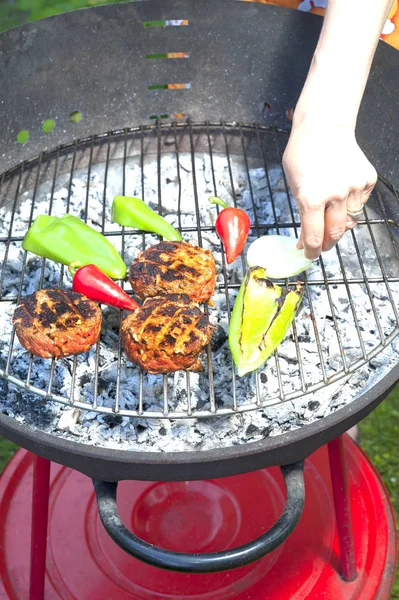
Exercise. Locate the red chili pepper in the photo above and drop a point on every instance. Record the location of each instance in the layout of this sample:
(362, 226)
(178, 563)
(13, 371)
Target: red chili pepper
(97, 286)
(232, 226)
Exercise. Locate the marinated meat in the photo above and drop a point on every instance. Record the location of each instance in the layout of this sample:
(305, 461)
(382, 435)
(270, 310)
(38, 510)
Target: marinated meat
(166, 334)
(174, 268)
(57, 323)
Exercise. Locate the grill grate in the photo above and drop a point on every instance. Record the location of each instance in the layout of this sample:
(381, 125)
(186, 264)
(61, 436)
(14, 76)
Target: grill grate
(373, 245)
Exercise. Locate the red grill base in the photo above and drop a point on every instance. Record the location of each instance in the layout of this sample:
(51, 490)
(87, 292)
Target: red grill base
(83, 563)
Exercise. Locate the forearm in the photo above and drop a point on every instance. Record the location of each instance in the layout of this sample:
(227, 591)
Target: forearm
(340, 67)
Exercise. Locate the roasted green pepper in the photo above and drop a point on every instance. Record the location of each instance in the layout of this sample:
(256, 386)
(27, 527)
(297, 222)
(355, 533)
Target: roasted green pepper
(69, 240)
(262, 315)
(133, 212)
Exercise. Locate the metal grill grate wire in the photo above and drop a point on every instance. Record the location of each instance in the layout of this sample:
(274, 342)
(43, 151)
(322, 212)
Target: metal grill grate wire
(149, 144)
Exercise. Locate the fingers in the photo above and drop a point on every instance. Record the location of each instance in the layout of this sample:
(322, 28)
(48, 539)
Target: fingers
(322, 227)
(358, 198)
(354, 204)
(324, 222)
(335, 221)
(328, 175)
(312, 229)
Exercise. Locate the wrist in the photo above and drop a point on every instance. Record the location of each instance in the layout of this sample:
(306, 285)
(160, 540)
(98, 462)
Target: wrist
(330, 95)
(322, 117)
(305, 126)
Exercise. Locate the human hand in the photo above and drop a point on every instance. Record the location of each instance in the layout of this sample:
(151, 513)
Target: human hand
(330, 177)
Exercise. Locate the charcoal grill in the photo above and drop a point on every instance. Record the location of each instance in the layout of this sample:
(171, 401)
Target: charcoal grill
(251, 145)
(167, 103)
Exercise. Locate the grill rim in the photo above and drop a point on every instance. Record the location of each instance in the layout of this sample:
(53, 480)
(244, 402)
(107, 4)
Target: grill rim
(115, 465)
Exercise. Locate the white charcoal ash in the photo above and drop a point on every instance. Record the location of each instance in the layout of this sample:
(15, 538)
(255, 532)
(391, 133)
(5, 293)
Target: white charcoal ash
(328, 338)
(68, 419)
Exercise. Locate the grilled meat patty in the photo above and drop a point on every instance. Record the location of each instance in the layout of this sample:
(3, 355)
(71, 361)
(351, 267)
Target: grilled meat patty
(174, 268)
(166, 334)
(57, 323)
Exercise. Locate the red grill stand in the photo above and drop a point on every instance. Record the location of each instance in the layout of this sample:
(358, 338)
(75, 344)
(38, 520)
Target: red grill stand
(83, 563)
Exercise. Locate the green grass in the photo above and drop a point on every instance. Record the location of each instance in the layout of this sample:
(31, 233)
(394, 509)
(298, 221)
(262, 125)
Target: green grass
(7, 449)
(17, 12)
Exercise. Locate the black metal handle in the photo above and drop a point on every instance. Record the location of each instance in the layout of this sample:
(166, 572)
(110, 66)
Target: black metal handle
(210, 562)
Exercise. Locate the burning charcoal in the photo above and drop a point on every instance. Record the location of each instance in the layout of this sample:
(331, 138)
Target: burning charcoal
(313, 405)
(359, 379)
(219, 400)
(112, 420)
(378, 361)
(85, 378)
(111, 319)
(304, 339)
(288, 351)
(102, 384)
(110, 373)
(219, 338)
(284, 366)
(251, 429)
(202, 404)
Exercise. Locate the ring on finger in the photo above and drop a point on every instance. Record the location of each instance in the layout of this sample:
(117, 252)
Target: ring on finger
(355, 214)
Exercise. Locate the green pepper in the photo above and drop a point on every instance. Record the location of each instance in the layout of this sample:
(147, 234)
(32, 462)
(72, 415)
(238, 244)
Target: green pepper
(69, 240)
(133, 212)
(262, 315)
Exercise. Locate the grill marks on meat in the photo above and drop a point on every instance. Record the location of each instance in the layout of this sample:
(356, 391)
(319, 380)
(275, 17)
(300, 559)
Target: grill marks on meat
(174, 268)
(169, 331)
(166, 334)
(57, 323)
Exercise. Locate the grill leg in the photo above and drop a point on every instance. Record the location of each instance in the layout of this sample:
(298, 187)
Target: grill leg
(336, 454)
(40, 503)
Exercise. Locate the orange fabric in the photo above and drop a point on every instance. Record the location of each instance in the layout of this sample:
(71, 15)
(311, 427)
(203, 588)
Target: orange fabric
(391, 28)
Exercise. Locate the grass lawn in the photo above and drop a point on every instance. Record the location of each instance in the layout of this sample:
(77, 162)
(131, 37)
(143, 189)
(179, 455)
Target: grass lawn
(7, 449)
(17, 12)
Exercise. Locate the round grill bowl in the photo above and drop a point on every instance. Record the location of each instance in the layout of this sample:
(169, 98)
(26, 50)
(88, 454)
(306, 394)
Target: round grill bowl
(103, 62)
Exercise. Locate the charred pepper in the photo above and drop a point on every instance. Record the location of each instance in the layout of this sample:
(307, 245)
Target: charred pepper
(232, 226)
(133, 212)
(262, 315)
(96, 285)
(69, 240)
